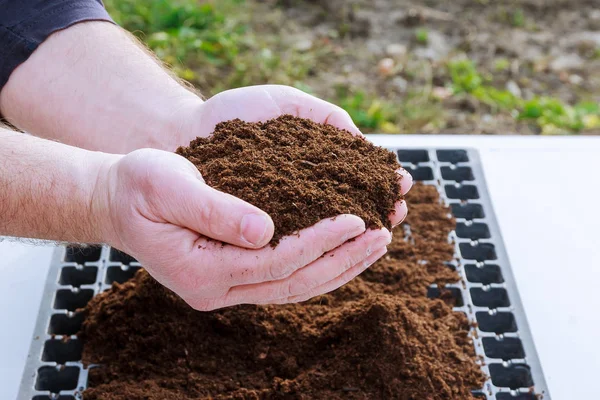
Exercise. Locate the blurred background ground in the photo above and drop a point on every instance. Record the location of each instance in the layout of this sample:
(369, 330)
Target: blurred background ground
(397, 66)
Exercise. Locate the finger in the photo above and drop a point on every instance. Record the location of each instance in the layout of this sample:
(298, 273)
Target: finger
(303, 105)
(204, 304)
(296, 251)
(220, 216)
(209, 263)
(233, 266)
(400, 208)
(322, 270)
(264, 102)
(406, 180)
(181, 197)
(400, 213)
(336, 283)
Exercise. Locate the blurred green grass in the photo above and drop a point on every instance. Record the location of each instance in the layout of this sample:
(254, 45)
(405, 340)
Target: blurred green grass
(550, 114)
(211, 44)
(215, 45)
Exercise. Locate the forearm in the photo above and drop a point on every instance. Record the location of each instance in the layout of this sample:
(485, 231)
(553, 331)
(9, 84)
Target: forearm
(93, 87)
(47, 190)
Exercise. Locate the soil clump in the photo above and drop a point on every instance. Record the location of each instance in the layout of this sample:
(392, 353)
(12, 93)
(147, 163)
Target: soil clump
(298, 171)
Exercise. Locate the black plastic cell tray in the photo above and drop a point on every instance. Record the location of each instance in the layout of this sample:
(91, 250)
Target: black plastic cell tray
(487, 293)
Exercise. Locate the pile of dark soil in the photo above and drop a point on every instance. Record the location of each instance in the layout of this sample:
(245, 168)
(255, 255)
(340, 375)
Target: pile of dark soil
(378, 337)
(298, 171)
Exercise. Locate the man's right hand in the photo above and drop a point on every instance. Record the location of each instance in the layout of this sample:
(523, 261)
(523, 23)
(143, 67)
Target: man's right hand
(155, 206)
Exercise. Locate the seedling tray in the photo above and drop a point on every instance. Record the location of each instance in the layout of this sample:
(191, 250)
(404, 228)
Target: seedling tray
(487, 293)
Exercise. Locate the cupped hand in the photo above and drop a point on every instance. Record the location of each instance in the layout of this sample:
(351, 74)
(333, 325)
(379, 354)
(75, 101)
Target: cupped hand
(162, 213)
(264, 102)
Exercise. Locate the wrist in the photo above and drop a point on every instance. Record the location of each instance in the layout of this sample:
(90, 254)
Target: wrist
(100, 199)
(168, 126)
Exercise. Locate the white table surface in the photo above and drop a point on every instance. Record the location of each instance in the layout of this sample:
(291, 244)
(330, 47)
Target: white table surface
(545, 192)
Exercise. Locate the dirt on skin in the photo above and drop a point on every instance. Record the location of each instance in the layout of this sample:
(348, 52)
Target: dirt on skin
(378, 337)
(298, 171)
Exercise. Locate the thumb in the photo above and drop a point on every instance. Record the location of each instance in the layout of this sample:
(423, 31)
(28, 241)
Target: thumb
(182, 198)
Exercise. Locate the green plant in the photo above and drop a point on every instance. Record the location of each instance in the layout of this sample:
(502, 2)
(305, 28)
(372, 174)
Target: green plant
(518, 18)
(464, 75)
(367, 112)
(212, 44)
(501, 64)
(422, 36)
(183, 33)
(554, 117)
(551, 115)
(375, 114)
(217, 46)
(466, 78)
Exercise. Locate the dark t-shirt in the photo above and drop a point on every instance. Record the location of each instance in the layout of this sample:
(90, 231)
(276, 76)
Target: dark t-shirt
(24, 24)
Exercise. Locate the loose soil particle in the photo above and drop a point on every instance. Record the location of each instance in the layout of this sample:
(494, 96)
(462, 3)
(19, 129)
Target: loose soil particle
(378, 337)
(298, 171)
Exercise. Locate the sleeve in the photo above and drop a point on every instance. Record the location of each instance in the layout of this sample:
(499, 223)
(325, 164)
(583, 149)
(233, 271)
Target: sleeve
(25, 24)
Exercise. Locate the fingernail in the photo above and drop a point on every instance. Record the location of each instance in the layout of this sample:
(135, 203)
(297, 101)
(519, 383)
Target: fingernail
(254, 228)
(358, 132)
(404, 217)
(406, 181)
(403, 172)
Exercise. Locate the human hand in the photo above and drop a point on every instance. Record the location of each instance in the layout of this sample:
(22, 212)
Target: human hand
(159, 210)
(264, 102)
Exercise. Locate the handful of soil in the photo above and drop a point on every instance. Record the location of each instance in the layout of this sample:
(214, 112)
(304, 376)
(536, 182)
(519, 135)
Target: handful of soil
(298, 171)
